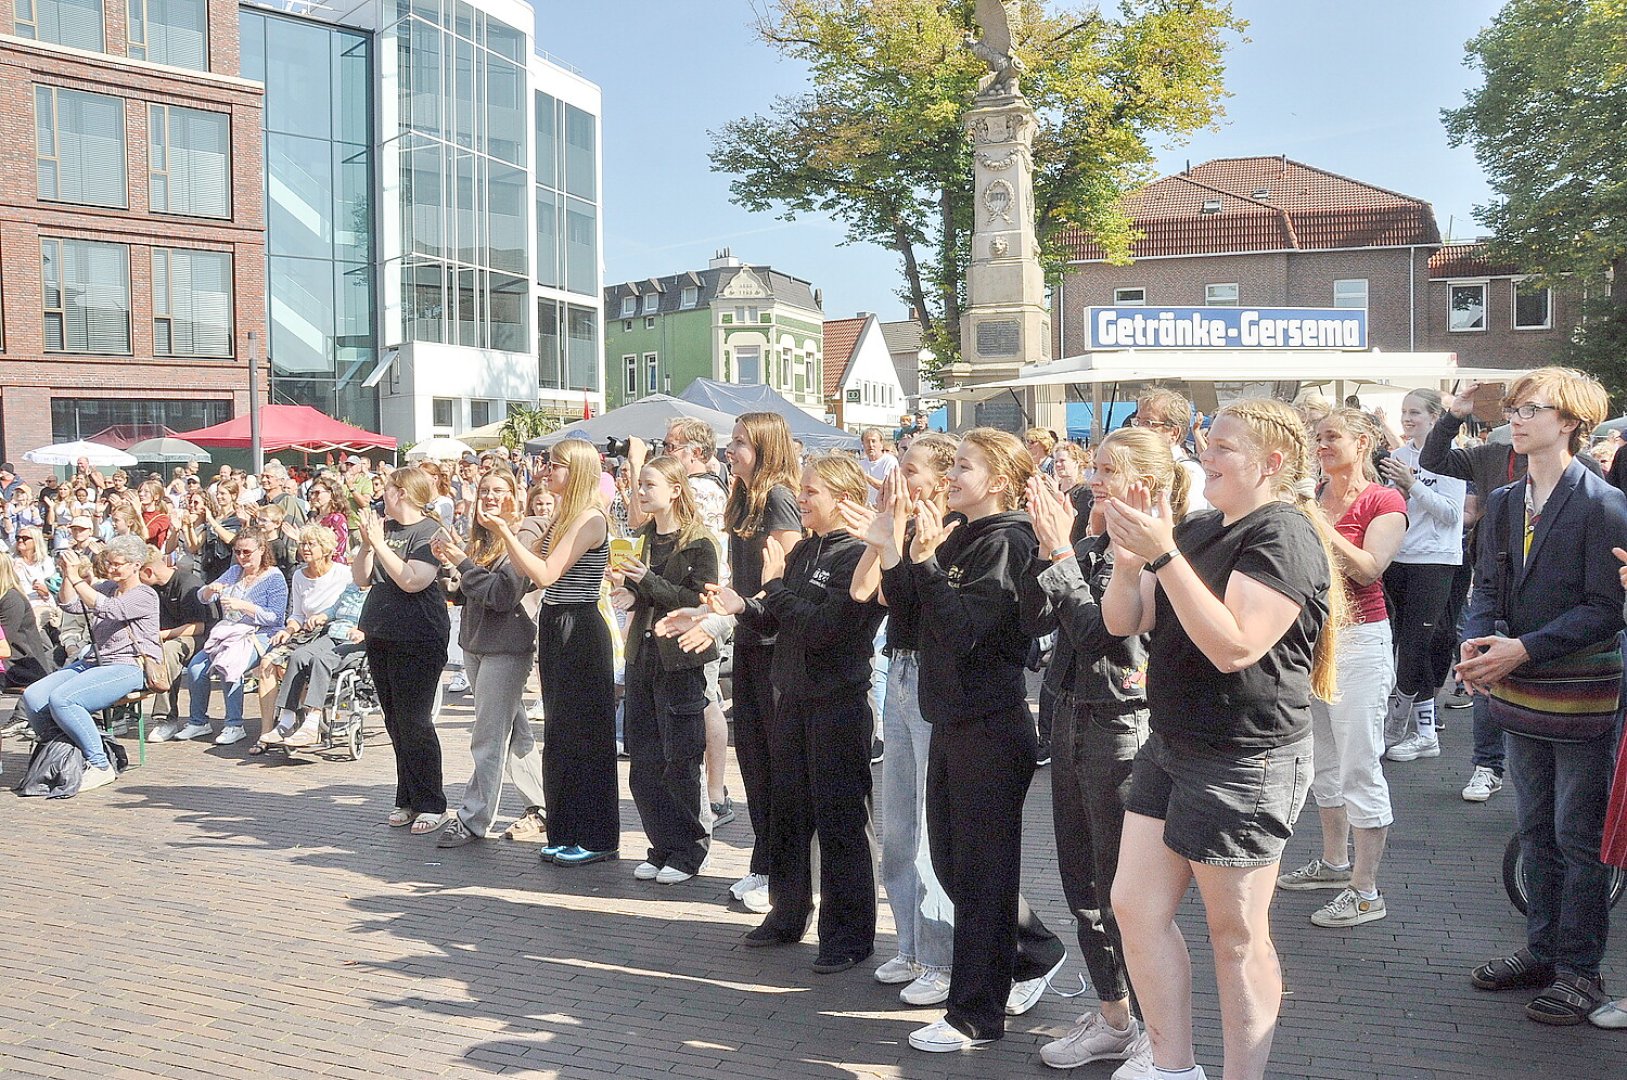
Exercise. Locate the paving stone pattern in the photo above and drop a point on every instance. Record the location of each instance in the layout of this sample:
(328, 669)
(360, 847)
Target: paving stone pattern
(217, 915)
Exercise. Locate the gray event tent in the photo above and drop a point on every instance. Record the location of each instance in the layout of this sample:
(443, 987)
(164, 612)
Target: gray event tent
(646, 418)
(734, 399)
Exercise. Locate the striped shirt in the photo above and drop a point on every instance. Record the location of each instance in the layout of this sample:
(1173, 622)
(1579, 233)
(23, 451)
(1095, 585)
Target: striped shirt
(580, 583)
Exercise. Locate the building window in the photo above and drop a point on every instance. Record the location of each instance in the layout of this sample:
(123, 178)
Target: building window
(79, 143)
(192, 302)
(629, 386)
(85, 418)
(1533, 307)
(652, 303)
(1129, 297)
(170, 32)
(627, 326)
(442, 410)
(651, 385)
(689, 297)
(479, 413)
(1223, 295)
(515, 408)
(87, 296)
(1350, 293)
(649, 322)
(76, 23)
(629, 306)
(189, 153)
(1466, 307)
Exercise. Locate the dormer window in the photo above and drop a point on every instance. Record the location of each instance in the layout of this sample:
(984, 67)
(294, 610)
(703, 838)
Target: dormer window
(629, 306)
(689, 297)
(1211, 206)
(652, 302)
(1261, 193)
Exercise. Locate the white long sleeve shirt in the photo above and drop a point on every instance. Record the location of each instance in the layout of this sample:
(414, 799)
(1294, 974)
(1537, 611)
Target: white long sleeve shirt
(1434, 515)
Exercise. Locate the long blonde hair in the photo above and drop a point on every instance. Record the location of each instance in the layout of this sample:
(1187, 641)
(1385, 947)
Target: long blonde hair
(1276, 426)
(691, 526)
(417, 488)
(1143, 454)
(1008, 458)
(581, 494)
(774, 463)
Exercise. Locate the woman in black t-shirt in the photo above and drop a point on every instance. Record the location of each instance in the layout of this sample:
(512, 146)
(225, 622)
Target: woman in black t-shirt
(407, 628)
(1236, 601)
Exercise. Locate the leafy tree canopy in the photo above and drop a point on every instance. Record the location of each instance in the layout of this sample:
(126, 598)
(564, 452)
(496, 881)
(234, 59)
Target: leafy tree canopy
(1547, 127)
(877, 142)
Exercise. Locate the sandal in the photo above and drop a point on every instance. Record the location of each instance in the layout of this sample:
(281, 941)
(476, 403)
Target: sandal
(428, 823)
(1512, 973)
(258, 748)
(530, 825)
(1568, 1000)
(401, 816)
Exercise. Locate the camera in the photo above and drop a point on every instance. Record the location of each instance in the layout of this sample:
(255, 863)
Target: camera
(1380, 455)
(617, 447)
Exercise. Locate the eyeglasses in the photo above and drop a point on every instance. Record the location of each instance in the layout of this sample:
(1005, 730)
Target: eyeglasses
(1142, 422)
(1526, 411)
(245, 551)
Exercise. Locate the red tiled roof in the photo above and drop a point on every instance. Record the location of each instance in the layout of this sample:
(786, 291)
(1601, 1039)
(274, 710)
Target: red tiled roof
(841, 335)
(1467, 261)
(1265, 204)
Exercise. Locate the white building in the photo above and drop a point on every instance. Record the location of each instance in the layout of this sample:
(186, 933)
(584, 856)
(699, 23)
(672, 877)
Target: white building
(862, 388)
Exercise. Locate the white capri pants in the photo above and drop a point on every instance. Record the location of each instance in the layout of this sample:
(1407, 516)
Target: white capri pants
(1348, 735)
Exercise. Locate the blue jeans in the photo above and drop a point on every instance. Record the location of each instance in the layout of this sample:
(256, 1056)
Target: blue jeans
(921, 909)
(64, 700)
(1561, 790)
(200, 688)
(1488, 737)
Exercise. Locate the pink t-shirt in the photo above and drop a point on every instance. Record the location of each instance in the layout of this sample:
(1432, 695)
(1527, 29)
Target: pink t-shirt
(1375, 501)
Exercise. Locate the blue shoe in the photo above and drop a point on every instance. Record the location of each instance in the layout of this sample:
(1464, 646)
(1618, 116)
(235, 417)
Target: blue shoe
(575, 855)
(551, 852)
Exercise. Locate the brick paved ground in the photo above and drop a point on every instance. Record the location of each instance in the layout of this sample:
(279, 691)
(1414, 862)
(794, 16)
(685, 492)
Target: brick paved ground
(211, 915)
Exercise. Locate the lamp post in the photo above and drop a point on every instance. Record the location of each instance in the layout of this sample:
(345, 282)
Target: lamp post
(256, 456)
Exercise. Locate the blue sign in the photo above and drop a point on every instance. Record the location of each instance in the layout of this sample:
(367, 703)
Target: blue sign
(1226, 328)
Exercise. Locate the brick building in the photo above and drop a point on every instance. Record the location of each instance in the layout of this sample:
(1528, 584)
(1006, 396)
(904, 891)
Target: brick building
(1491, 315)
(132, 256)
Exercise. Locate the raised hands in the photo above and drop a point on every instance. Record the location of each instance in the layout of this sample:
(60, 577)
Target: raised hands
(1140, 530)
(1053, 515)
(1461, 404)
(773, 562)
(930, 532)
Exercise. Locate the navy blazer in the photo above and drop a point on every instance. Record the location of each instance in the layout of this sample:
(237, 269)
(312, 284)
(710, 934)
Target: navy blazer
(1566, 595)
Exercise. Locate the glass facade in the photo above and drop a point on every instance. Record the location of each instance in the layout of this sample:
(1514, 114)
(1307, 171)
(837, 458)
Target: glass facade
(81, 418)
(463, 263)
(566, 197)
(319, 217)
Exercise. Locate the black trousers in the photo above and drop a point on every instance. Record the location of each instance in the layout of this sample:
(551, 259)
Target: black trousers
(1092, 751)
(753, 709)
(574, 660)
(1419, 592)
(665, 733)
(821, 766)
(978, 773)
(405, 674)
(1443, 648)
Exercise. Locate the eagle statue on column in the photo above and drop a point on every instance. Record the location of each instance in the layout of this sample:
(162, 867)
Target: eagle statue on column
(998, 19)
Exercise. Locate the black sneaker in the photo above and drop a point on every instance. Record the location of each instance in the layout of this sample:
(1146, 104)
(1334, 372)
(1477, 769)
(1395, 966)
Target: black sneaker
(875, 751)
(455, 834)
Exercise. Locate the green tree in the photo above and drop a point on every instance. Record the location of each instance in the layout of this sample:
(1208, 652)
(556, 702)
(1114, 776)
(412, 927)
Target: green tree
(524, 423)
(877, 143)
(1547, 127)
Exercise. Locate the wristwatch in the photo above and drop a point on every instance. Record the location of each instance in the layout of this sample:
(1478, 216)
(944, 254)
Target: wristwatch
(1163, 560)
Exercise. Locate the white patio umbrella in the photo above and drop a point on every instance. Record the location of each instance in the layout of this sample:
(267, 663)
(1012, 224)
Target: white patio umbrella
(69, 453)
(440, 449)
(168, 450)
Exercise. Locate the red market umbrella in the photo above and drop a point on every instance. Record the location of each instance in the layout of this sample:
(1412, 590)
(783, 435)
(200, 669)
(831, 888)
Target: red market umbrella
(290, 427)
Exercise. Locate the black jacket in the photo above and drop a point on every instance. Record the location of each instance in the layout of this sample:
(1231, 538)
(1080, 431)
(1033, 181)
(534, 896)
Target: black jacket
(31, 658)
(675, 583)
(826, 639)
(1066, 596)
(973, 640)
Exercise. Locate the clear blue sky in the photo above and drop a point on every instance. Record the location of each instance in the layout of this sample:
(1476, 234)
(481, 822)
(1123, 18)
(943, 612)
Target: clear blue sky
(1355, 88)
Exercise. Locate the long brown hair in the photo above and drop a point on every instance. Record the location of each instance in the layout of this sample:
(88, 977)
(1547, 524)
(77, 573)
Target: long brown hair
(485, 546)
(691, 526)
(774, 463)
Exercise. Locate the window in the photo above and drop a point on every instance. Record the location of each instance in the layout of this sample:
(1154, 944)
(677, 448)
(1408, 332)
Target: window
(1130, 297)
(652, 303)
(745, 314)
(581, 159)
(479, 413)
(1466, 307)
(629, 306)
(192, 302)
(441, 411)
(79, 143)
(1533, 307)
(689, 297)
(1350, 293)
(1220, 295)
(170, 32)
(649, 322)
(81, 418)
(750, 364)
(87, 296)
(651, 385)
(189, 153)
(627, 326)
(77, 23)
(515, 408)
(629, 386)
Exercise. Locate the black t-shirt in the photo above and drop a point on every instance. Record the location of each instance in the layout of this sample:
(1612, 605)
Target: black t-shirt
(1268, 703)
(389, 613)
(780, 514)
(178, 602)
(658, 549)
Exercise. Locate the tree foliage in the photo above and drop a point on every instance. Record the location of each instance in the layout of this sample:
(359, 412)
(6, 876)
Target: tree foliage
(1547, 127)
(876, 142)
(524, 423)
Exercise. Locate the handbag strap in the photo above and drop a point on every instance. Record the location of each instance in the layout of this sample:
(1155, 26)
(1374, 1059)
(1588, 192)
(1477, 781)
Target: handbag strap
(1504, 559)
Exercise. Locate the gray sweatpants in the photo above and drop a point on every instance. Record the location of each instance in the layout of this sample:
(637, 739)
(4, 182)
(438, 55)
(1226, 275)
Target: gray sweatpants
(501, 738)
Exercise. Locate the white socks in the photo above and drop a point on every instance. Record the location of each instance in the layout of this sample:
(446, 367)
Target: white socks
(1194, 1073)
(1423, 714)
(286, 721)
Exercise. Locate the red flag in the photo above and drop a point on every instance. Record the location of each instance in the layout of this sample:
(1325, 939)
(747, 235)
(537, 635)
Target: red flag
(587, 410)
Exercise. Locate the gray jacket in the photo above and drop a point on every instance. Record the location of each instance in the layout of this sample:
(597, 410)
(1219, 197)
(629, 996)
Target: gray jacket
(493, 619)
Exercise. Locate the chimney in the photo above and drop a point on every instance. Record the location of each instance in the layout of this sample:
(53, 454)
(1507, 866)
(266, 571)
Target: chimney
(819, 299)
(724, 257)
(863, 314)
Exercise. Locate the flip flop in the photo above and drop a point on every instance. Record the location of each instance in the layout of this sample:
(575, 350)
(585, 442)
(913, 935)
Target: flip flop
(428, 823)
(258, 748)
(401, 817)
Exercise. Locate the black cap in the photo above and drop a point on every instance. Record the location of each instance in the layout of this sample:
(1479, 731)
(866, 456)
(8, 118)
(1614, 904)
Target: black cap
(8, 467)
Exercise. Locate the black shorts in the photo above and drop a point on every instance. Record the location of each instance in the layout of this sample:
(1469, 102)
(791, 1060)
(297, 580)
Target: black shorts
(1221, 807)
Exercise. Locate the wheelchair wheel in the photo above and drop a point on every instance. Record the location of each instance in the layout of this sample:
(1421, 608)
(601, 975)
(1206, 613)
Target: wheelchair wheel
(1514, 877)
(355, 740)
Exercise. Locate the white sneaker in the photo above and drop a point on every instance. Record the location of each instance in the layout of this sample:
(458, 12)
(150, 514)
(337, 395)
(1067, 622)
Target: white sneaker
(671, 875)
(309, 732)
(192, 730)
(757, 901)
(164, 732)
(645, 871)
(1138, 1066)
(1414, 746)
(932, 988)
(746, 884)
(1483, 784)
(942, 1037)
(231, 733)
(458, 684)
(535, 711)
(95, 778)
(1348, 909)
(1026, 994)
(897, 970)
(1092, 1039)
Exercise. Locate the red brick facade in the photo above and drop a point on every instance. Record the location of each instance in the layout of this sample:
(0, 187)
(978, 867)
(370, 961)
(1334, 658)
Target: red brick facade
(29, 376)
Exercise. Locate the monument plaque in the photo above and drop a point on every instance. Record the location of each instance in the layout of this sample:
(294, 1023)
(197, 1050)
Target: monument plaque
(1004, 338)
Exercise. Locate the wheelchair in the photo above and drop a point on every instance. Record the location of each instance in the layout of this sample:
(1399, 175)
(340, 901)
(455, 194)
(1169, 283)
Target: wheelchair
(352, 700)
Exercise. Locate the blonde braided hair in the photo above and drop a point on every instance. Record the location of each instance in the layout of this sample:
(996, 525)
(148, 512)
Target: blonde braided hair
(1276, 426)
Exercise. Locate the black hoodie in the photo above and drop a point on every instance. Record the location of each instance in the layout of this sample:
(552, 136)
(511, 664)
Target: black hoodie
(826, 638)
(973, 642)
